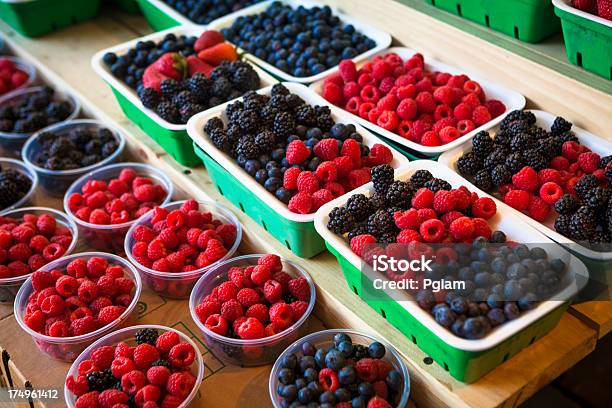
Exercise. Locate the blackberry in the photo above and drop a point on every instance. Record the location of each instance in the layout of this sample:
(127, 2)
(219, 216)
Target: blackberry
(358, 230)
(516, 128)
(293, 101)
(399, 193)
(582, 223)
(521, 142)
(511, 117)
(500, 175)
(234, 108)
(13, 186)
(247, 148)
(601, 241)
(359, 206)
(380, 223)
(482, 144)
(340, 220)
(483, 181)
(538, 133)
(279, 89)
(597, 198)
(265, 140)
(514, 162)
(100, 380)
(420, 177)
(549, 147)
(169, 88)
(436, 184)
(161, 362)
(529, 117)
(147, 335)
(586, 183)
(382, 177)
(213, 123)
(222, 88)
(149, 98)
(604, 161)
(219, 138)
(248, 121)
(388, 238)
(267, 115)
(377, 201)
(469, 164)
(245, 78)
(168, 112)
(183, 98)
(305, 115)
(568, 136)
(279, 102)
(498, 156)
(560, 125)
(254, 101)
(567, 204)
(222, 70)
(325, 122)
(608, 173)
(190, 109)
(359, 352)
(284, 124)
(562, 224)
(534, 159)
(200, 85)
(502, 139)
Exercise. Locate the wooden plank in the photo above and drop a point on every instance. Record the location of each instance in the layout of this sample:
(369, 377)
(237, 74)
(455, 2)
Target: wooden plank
(596, 314)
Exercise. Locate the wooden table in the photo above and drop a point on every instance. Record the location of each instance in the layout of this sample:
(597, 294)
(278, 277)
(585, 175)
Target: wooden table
(67, 53)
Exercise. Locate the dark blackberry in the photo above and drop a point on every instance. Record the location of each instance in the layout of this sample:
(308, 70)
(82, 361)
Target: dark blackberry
(393, 209)
(582, 223)
(340, 220)
(279, 89)
(538, 133)
(399, 193)
(254, 101)
(562, 224)
(284, 124)
(234, 132)
(149, 97)
(246, 147)
(169, 88)
(200, 86)
(608, 173)
(388, 238)
(568, 136)
(148, 335)
(190, 109)
(380, 223)
(248, 121)
(222, 70)
(13, 186)
(498, 156)
(482, 144)
(534, 159)
(265, 140)
(601, 241)
(469, 164)
(436, 184)
(597, 198)
(377, 201)
(382, 177)
(511, 117)
(516, 128)
(359, 352)
(245, 78)
(358, 230)
(293, 101)
(359, 206)
(306, 115)
(529, 117)
(521, 142)
(567, 204)
(218, 137)
(586, 183)
(100, 380)
(213, 123)
(548, 147)
(222, 88)
(278, 102)
(234, 108)
(167, 111)
(604, 161)
(483, 181)
(502, 139)
(161, 362)
(500, 175)
(420, 177)
(514, 162)
(267, 115)
(325, 122)
(560, 125)
(183, 98)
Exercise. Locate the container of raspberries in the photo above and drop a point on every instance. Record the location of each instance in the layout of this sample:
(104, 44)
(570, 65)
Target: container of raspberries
(587, 31)
(144, 365)
(18, 184)
(176, 243)
(423, 106)
(162, 79)
(106, 202)
(300, 40)
(18, 73)
(555, 174)
(28, 110)
(73, 301)
(340, 367)
(304, 154)
(164, 14)
(426, 210)
(33, 18)
(63, 152)
(250, 308)
(30, 238)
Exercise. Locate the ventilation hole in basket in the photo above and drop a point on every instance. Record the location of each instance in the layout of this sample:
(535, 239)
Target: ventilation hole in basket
(506, 357)
(187, 171)
(413, 339)
(532, 340)
(53, 27)
(611, 73)
(516, 32)
(383, 314)
(446, 366)
(74, 20)
(428, 360)
(287, 245)
(241, 207)
(433, 2)
(220, 191)
(579, 59)
(459, 9)
(263, 224)
(487, 22)
(355, 290)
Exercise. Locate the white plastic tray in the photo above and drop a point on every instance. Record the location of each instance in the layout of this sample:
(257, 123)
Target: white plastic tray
(102, 70)
(195, 130)
(565, 5)
(545, 120)
(505, 220)
(381, 38)
(512, 99)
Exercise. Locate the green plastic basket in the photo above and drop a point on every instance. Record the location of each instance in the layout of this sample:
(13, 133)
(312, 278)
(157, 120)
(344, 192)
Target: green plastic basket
(299, 237)
(588, 39)
(33, 18)
(526, 20)
(157, 18)
(129, 6)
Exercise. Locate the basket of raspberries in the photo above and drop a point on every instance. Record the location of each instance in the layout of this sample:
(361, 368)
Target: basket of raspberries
(420, 104)
(17, 73)
(280, 142)
(201, 12)
(555, 173)
(163, 79)
(337, 368)
(75, 300)
(251, 307)
(18, 184)
(176, 243)
(426, 211)
(138, 366)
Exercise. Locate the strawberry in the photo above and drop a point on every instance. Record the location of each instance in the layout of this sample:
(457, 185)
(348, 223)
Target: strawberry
(194, 65)
(152, 78)
(171, 64)
(207, 39)
(590, 6)
(604, 9)
(218, 53)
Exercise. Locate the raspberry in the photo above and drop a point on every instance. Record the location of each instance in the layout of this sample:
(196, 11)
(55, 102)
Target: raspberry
(124, 285)
(281, 314)
(367, 369)
(495, 107)
(549, 175)
(106, 286)
(156, 250)
(350, 90)
(360, 241)
(217, 324)
(407, 236)
(180, 384)
(156, 375)
(215, 250)
(103, 356)
(571, 150)
(335, 188)
(300, 203)
(88, 400)
(110, 314)
(297, 152)
(133, 381)
(449, 134)
(432, 230)
(144, 355)
(407, 219)
(465, 127)
(559, 163)
(481, 228)
(550, 192)
(46, 224)
(358, 178)
(87, 366)
(291, 175)
(123, 350)
(99, 303)
(78, 386)
(227, 291)
(176, 219)
(526, 179)
(402, 92)
(379, 154)
(35, 321)
(121, 365)
(537, 208)
(380, 390)
(168, 237)
(326, 172)
(181, 355)
(517, 199)
(333, 93)
(426, 214)
(320, 197)
(444, 201)
(23, 233)
(381, 69)
(425, 102)
(247, 297)
(204, 237)
(588, 161)
(481, 115)
(353, 105)
(307, 181)
(369, 93)
(430, 139)
(364, 109)
(231, 310)
(462, 228)
(484, 207)
(299, 308)
(258, 311)
(352, 149)
(53, 251)
(328, 380)
(87, 291)
(299, 288)
(96, 266)
(59, 329)
(387, 102)
(19, 252)
(166, 341)
(53, 305)
(147, 393)
(441, 123)
(378, 402)
(261, 274)
(388, 120)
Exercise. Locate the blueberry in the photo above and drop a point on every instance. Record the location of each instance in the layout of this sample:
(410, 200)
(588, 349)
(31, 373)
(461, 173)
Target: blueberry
(310, 374)
(495, 300)
(261, 176)
(320, 358)
(273, 183)
(528, 301)
(334, 360)
(522, 251)
(468, 289)
(278, 154)
(304, 395)
(516, 271)
(306, 362)
(283, 195)
(425, 299)
(310, 143)
(443, 315)
(346, 348)
(496, 316)
(480, 294)
(347, 375)
(459, 305)
(512, 290)
(511, 311)
(530, 265)
(314, 163)
(314, 132)
(557, 265)
(300, 383)
(315, 388)
(366, 389)
(484, 255)
(358, 402)
(289, 392)
(476, 327)
(498, 237)
(473, 310)
(498, 265)
(538, 253)
(457, 327)
(109, 58)
(480, 242)
(465, 273)
(327, 397)
(342, 394)
(482, 279)
(286, 376)
(289, 361)
(308, 349)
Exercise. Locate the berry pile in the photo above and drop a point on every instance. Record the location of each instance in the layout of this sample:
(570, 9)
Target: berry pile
(341, 375)
(78, 147)
(601, 8)
(423, 209)
(300, 41)
(204, 11)
(33, 112)
(295, 150)
(117, 200)
(14, 185)
(535, 171)
(11, 77)
(256, 301)
(157, 371)
(425, 107)
(29, 243)
(89, 294)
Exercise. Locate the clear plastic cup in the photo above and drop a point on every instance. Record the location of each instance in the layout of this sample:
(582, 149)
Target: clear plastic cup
(248, 352)
(21, 167)
(56, 182)
(11, 143)
(178, 285)
(10, 286)
(24, 66)
(68, 348)
(324, 339)
(110, 238)
(127, 335)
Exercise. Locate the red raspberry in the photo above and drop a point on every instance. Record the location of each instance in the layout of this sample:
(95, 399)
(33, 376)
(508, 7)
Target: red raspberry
(134, 380)
(495, 107)
(217, 324)
(526, 179)
(352, 149)
(484, 207)
(481, 115)
(426, 214)
(299, 288)
(156, 250)
(291, 175)
(559, 163)
(537, 209)
(481, 228)
(156, 375)
(423, 198)
(299, 308)
(335, 188)
(166, 341)
(379, 154)
(388, 120)
(571, 150)
(261, 274)
(320, 197)
(53, 251)
(350, 90)
(109, 398)
(348, 70)
(333, 93)
(307, 182)
(96, 266)
(103, 356)
(215, 250)
(297, 152)
(231, 310)
(465, 127)
(88, 400)
(58, 329)
(546, 175)
(124, 285)
(432, 230)
(445, 95)
(360, 241)
(281, 314)
(272, 261)
(176, 219)
(259, 312)
(449, 134)
(35, 320)
(109, 314)
(147, 393)
(23, 233)
(367, 369)
(87, 366)
(381, 69)
(450, 217)
(358, 178)
(53, 305)
(369, 93)
(462, 228)
(180, 384)
(550, 192)
(517, 199)
(444, 201)
(248, 297)
(66, 286)
(326, 172)
(425, 102)
(407, 236)
(378, 402)
(430, 139)
(78, 386)
(46, 224)
(441, 123)
(181, 355)
(364, 109)
(226, 291)
(106, 286)
(374, 114)
(123, 350)
(407, 219)
(300, 203)
(463, 111)
(353, 105)
(387, 102)
(144, 355)
(82, 326)
(99, 303)
(19, 252)
(328, 380)
(588, 161)
(402, 92)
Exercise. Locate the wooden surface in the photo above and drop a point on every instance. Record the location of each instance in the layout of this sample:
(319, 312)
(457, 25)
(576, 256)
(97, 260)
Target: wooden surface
(68, 52)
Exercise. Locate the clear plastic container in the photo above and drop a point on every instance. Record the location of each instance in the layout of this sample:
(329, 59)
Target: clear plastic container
(11, 143)
(56, 182)
(10, 286)
(178, 285)
(110, 238)
(323, 339)
(68, 348)
(24, 66)
(127, 335)
(241, 352)
(6, 163)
